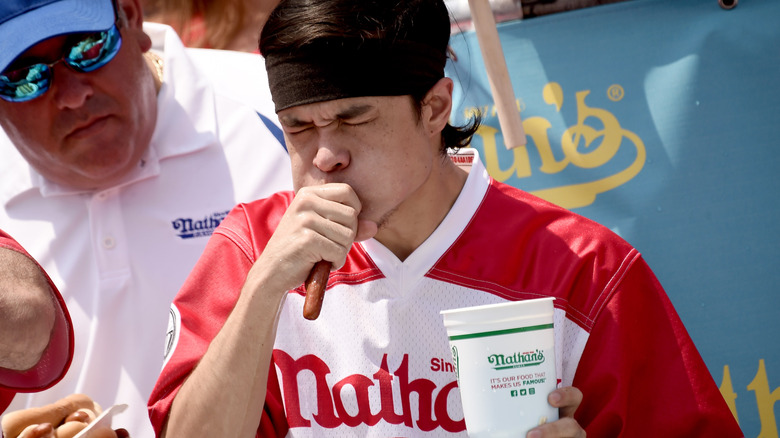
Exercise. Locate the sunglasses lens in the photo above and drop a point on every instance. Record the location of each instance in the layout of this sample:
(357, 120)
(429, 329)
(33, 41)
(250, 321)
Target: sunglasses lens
(25, 83)
(89, 54)
(94, 51)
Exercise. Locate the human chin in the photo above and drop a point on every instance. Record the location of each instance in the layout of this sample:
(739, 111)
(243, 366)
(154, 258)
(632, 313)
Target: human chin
(373, 214)
(94, 177)
(101, 168)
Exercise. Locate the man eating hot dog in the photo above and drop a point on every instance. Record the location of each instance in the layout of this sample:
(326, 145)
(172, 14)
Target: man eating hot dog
(359, 89)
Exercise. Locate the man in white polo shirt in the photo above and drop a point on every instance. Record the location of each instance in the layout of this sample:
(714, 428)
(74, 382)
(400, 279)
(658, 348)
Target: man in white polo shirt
(118, 159)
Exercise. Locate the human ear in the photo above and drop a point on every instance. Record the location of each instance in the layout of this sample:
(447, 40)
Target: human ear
(437, 105)
(133, 12)
(134, 21)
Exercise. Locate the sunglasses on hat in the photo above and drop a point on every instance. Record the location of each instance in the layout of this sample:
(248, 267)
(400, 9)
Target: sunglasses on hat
(88, 54)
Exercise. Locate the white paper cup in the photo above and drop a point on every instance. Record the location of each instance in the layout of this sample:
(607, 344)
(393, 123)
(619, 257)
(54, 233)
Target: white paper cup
(504, 357)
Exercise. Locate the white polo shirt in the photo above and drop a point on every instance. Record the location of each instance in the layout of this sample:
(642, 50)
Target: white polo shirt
(120, 255)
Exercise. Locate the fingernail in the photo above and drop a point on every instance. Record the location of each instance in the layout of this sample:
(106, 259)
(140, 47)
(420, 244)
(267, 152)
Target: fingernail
(534, 434)
(555, 398)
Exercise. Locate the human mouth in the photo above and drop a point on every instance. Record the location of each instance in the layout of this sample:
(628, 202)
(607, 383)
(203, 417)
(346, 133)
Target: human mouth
(88, 129)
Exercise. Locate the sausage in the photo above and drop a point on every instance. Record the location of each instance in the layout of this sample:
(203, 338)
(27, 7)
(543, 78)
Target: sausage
(315, 289)
(82, 415)
(14, 423)
(75, 423)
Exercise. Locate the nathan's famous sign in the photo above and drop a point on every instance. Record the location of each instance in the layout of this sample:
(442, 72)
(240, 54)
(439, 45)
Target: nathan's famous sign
(595, 142)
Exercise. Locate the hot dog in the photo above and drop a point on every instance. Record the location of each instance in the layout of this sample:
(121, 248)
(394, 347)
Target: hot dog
(82, 415)
(14, 423)
(315, 289)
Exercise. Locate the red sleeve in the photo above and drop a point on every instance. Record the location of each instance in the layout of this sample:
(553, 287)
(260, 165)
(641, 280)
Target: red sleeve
(6, 396)
(641, 375)
(56, 358)
(203, 304)
(207, 298)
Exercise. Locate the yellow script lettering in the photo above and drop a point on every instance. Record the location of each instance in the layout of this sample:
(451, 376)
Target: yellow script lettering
(765, 401)
(611, 136)
(727, 391)
(582, 145)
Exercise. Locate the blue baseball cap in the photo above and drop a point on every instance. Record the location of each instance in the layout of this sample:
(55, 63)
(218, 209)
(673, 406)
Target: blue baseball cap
(25, 23)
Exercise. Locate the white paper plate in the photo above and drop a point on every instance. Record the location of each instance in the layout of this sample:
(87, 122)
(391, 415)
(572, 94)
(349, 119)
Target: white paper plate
(103, 419)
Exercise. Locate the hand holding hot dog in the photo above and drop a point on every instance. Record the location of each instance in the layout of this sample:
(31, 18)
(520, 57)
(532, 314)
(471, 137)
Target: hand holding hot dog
(320, 224)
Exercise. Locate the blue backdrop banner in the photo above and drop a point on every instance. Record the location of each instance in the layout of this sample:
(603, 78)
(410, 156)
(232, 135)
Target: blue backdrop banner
(656, 119)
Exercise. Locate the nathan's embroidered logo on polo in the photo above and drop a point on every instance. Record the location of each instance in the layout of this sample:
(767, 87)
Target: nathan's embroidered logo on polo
(187, 228)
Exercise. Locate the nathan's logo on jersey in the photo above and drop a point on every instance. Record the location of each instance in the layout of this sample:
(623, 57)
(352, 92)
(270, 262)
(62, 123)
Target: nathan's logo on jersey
(566, 165)
(516, 360)
(348, 402)
(188, 228)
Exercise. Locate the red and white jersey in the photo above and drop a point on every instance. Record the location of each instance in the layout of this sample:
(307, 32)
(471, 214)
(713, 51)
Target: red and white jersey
(377, 361)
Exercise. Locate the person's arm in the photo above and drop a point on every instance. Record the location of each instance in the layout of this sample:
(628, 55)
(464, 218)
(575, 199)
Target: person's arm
(27, 311)
(228, 385)
(640, 373)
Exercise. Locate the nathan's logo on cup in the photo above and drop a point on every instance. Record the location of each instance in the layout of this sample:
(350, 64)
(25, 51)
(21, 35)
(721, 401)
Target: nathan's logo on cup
(517, 360)
(504, 356)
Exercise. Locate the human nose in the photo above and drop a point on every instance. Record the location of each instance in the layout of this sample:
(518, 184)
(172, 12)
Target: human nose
(331, 155)
(70, 88)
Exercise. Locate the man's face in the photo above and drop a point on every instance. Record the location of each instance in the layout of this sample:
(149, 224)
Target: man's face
(375, 144)
(89, 129)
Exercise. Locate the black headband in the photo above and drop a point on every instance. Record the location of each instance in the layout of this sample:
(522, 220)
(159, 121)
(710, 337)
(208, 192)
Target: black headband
(340, 68)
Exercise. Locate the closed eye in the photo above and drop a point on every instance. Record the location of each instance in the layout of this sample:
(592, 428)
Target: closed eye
(353, 116)
(297, 130)
(294, 126)
(353, 123)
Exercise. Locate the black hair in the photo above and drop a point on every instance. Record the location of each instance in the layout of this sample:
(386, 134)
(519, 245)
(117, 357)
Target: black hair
(296, 26)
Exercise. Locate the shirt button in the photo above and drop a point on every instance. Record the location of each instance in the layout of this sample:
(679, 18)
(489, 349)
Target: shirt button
(108, 242)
